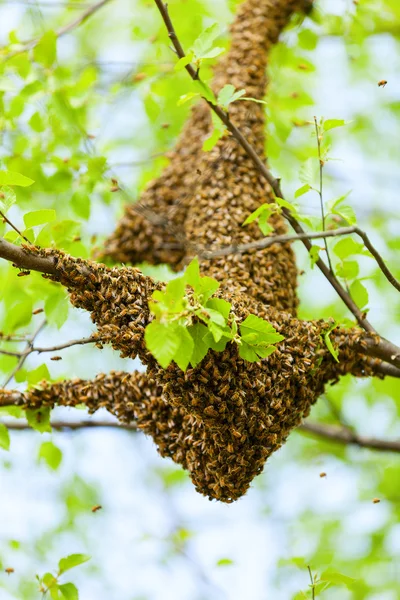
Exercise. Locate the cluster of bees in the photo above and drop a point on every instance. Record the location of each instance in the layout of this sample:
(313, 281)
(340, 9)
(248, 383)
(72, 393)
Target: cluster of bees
(223, 419)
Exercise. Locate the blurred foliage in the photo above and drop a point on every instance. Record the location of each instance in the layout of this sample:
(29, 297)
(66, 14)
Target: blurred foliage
(98, 105)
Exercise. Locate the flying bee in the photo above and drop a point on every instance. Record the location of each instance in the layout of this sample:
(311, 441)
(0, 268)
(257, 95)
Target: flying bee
(96, 508)
(382, 83)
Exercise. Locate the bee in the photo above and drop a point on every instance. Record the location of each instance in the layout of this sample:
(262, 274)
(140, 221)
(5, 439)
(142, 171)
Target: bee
(382, 83)
(376, 500)
(9, 570)
(23, 273)
(323, 474)
(96, 508)
(37, 311)
(56, 358)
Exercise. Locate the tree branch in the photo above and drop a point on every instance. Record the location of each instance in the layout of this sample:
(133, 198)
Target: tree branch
(274, 239)
(23, 357)
(24, 260)
(274, 183)
(334, 433)
(27, 351)
(342, 435)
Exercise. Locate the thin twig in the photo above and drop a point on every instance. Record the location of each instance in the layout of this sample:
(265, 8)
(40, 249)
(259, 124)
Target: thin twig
(312, 582)
(320, 191)
(6, 220)
(280, 239)
(30, 350)
(342, 435)
(24, 356)
(277, 239)
(333, 433)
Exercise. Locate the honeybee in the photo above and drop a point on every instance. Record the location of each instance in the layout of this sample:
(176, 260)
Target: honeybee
(9, 570)
(382, 83)
(96, 508)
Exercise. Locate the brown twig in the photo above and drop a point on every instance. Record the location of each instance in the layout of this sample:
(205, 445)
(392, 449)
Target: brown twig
(6, 220)
(280, 239)
(24, 356)
(273, 182)
(343, 435)
(277, 239)
(331, 432)
(27, 351)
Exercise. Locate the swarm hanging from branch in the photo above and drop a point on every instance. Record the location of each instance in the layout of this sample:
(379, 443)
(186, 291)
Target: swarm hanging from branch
(223, 419)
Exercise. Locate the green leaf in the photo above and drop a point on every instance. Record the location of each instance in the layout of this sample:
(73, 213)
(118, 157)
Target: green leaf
(221, 306)
(71, 561)
(248, 353)
(12, 178)
(183, 355)
(39, 217)
(314, 255)
(51, 455)
(210, 142)
(263, 223)
(39, 419)
(208, 287)
(162, 341)
(192, 275)
(337, 207)
(49, 580)
(346, 247)
(224, 562)
(80, 203)
(56, 308)
(69, 591)
(229, 94)
(186, 97)
(337, 578)
(332, 123)
(262, 213)
(7, 199)
(41, 373)
(329, 344)
(308, 39)
(216, 331)
(302, 190)
(265, 332)
(45, 52)
(348, 269)
(198, 332)
(170, 299)
(4, 437)
(205, 91)
(182, 62)
(203, 44)
(216, 317)
(359, 293)
(217, 346)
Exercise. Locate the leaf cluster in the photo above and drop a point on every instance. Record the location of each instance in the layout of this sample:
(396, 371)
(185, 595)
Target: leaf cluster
(189, 321)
